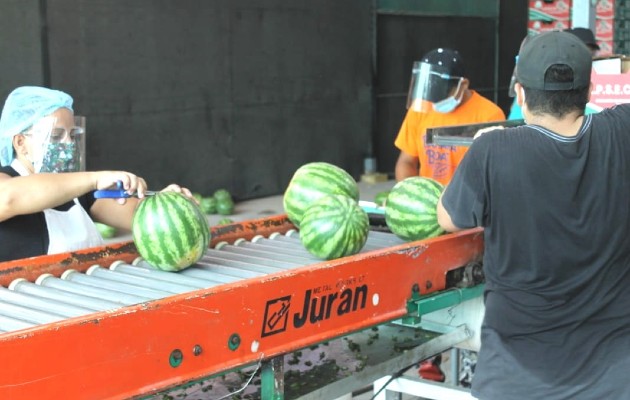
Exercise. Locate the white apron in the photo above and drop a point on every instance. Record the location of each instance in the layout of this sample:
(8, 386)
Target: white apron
(67, 230)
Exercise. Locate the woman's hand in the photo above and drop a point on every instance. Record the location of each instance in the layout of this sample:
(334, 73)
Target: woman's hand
(131, 183)
(179, 189)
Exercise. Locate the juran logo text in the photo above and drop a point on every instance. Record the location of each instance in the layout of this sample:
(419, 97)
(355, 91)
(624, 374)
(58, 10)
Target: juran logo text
(321, 308)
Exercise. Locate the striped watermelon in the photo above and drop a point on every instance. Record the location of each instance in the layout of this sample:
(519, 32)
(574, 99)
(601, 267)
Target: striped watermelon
(334, 226)
(313, 181)
(170, 231)
(411, 208)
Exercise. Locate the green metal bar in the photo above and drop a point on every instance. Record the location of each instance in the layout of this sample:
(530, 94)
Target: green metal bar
(272, 379)
(419, 305)
(452, 8)
(447, 298)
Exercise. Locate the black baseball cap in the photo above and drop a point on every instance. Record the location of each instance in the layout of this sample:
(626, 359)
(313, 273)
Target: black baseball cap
(550, 48)
(447, 61)
(586, 35)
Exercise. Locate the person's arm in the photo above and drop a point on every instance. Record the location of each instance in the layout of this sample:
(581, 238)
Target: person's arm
(444, 219)
(463, 204)
(406, 166)
(33, 193)
(112, 213)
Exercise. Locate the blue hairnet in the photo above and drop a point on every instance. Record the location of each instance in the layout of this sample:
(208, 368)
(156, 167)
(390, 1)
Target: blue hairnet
(23, 108)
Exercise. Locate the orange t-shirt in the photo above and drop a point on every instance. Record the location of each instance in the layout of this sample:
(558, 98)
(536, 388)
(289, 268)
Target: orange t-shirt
(439, 162)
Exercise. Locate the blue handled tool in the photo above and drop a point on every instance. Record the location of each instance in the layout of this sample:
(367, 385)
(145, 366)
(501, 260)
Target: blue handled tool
(118, 193)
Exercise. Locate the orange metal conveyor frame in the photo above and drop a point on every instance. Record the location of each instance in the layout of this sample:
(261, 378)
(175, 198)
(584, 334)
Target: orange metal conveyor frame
(140, 349)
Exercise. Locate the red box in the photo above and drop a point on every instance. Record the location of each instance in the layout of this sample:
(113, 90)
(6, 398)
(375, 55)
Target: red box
(605, 47)
(605, 9)
(544, 26)
(557, 9)
(604, 29)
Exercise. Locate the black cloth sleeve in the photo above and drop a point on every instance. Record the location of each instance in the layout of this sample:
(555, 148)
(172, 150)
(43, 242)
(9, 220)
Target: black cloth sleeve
(465, 196)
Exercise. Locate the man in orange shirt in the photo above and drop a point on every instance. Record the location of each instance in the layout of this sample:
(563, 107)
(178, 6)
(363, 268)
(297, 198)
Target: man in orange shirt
(439, 95)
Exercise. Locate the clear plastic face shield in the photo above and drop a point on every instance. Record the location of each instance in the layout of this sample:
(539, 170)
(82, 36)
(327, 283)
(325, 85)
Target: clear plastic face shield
(432, 89)
(58, 145)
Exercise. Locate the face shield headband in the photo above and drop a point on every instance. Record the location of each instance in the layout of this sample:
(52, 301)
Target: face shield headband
(431, 85)
(57, 148)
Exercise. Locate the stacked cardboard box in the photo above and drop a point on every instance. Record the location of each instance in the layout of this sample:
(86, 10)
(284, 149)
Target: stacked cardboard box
(548, 15)
(545, 15)
(604, 25)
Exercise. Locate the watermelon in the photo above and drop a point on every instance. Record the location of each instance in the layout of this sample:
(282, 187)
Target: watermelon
(311, 182)
(381, 198)
(106, 231)
(334, 226)
(197, 196)
(411, 210)
(222, 194)
(208, 205)
(170, 231)
(225, 207)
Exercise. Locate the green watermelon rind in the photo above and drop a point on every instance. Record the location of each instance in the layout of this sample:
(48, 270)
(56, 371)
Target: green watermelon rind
(334, 226)
(313, 181)
(411, 211)
(208, 205)
(170, 231)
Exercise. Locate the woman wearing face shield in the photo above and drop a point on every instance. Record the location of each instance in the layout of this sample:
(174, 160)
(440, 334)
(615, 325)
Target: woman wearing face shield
(46, 201)
(439, 95)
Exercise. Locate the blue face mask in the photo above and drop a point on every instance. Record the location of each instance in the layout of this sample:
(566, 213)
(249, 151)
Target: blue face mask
(448, 104)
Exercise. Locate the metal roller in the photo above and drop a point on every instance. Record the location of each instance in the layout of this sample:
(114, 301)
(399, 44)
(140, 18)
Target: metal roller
(293, 240)
(103, 273)
(274, 246)
(45, 305)
(154, 273)
(28, 314)
(278, 264)
(84, 280)
(239, 273)
(212, 279)
(389, 237)
(195, 272)
(8, 324)
(204, 274)
(381, 242)
(238, 265)
(375, 239)
(72, 287)
(21, 285)
(260, 251)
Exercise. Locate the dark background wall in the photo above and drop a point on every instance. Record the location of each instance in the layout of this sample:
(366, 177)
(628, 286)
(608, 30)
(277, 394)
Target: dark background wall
(239, 93)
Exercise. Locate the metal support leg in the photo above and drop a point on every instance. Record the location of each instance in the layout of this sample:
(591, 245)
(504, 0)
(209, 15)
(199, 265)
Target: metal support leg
(272, 379)
(455, 366)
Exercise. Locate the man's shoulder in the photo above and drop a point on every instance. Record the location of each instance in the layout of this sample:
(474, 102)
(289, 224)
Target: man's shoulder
(621, 110)
(484, 108)
(479, 98)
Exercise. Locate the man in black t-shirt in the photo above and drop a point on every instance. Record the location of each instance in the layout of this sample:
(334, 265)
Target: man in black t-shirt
(552, 197)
